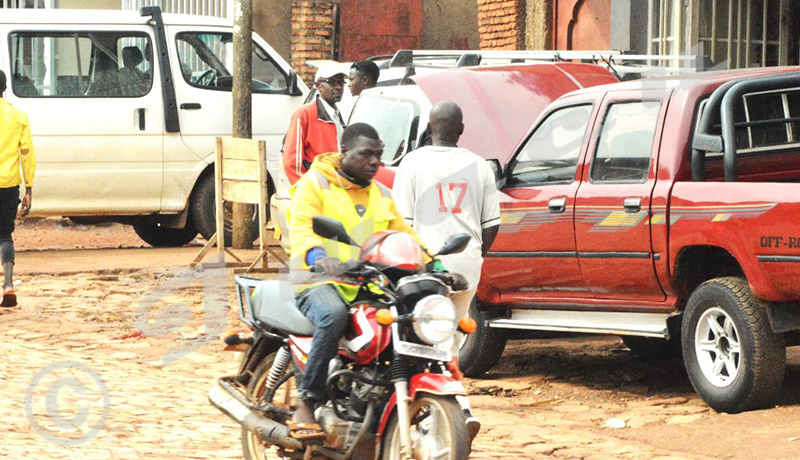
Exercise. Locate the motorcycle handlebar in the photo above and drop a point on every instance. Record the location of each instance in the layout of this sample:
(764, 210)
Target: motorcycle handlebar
(349, 267)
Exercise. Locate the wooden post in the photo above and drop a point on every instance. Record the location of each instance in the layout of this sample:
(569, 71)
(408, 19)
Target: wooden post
(242, 108)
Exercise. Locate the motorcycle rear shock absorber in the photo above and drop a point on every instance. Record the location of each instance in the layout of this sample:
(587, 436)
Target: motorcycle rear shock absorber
(278, 367)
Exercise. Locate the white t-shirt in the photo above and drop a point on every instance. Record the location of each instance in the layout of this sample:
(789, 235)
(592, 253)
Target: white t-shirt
(446, 190)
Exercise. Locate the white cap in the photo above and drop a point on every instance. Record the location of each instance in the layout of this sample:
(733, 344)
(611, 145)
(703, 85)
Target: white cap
(330, 69)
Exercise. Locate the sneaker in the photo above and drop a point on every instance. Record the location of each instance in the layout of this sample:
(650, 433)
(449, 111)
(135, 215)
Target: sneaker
(473, 427)
(9, 299)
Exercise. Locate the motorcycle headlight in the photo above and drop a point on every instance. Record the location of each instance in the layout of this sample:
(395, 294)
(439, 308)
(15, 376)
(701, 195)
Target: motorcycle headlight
(435, 319)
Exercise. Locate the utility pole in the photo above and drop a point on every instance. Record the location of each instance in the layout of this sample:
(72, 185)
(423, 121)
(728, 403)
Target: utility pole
(243, 108)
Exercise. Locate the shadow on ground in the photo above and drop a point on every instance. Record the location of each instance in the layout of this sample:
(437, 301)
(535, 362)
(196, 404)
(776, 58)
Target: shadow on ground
(604, 363)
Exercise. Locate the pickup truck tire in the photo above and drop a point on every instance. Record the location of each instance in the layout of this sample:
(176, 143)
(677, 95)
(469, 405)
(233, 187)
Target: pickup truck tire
(721, 317)
(164, 237)
(202, 205)
(484, 347)
(653, 349)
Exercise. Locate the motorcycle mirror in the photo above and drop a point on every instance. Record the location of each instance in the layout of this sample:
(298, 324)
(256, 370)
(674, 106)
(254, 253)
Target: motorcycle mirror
(331, 229)
(454, 244)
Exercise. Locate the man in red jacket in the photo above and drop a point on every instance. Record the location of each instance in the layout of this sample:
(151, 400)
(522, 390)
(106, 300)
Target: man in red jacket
(316, 127)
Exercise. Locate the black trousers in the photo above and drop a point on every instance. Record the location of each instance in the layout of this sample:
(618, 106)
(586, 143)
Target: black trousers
(9, 202)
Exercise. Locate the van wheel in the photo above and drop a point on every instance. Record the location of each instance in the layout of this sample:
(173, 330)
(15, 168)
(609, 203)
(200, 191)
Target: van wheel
(203, 207)
(734, 360)
(484, 347)
(162, 237)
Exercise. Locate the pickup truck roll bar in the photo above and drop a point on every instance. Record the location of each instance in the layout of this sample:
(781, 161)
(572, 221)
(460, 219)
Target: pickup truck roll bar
(723, 99)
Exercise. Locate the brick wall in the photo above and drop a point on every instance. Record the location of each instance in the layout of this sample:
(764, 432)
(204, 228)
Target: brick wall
(373, 27)
(312, 34)
(501, 24)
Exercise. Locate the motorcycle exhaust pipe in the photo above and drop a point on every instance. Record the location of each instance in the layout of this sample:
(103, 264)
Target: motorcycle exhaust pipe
(268, 430)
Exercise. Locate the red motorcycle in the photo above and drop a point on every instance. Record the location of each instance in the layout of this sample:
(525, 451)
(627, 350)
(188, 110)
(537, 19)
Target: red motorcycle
(389, 394)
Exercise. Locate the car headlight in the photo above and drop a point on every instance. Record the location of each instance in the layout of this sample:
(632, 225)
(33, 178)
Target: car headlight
(435, 319)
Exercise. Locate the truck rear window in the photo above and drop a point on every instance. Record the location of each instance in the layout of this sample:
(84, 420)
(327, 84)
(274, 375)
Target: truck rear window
(768, 150)
(779, 106)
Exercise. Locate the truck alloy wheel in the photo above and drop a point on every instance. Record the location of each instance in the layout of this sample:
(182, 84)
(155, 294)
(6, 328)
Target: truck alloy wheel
(716, 346)
(734, 360)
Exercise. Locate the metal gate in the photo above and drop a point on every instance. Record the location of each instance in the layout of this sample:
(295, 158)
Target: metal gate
(27, 3)
(215, 8)
(732, 33)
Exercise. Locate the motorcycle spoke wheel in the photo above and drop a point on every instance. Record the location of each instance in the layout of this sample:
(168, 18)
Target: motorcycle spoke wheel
(285, 397)
(437, 431)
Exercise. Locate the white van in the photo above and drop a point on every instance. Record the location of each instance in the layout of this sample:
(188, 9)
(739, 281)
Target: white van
(124, 107)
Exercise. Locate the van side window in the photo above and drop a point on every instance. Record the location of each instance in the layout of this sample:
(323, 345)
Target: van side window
(206, 61)
(626, 142)
(81, 64)
(550, 155)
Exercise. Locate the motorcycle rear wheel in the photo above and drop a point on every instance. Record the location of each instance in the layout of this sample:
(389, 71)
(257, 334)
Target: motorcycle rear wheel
(438, 427)
(285, 396)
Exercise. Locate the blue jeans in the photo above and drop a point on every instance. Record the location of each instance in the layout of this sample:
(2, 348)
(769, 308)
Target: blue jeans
(326, 309)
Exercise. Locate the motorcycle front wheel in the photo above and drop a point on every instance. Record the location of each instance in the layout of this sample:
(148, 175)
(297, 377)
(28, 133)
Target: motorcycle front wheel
(285, 396)
(438, 431)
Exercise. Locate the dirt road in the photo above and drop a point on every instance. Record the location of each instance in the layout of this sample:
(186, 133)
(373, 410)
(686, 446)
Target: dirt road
(558, 397)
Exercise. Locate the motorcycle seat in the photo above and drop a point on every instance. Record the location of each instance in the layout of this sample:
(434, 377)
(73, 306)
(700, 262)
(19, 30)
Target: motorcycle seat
(274, 305)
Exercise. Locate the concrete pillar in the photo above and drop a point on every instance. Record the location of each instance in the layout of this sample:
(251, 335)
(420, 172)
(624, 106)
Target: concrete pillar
(629, 25)
(538, 25)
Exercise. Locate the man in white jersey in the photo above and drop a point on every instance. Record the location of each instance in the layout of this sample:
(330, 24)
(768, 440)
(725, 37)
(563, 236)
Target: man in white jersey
(442, 189)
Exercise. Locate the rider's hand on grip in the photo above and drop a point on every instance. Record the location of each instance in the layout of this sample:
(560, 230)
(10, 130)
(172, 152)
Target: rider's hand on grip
(329, 265)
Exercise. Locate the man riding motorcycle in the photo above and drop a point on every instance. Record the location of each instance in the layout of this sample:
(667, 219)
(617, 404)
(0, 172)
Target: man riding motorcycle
(340, 186)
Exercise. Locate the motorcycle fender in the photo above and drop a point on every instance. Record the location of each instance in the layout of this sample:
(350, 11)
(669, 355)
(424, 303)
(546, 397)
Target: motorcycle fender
(435, 384)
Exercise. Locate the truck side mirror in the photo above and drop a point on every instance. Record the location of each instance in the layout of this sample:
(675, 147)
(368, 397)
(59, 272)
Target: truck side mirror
(294, 89)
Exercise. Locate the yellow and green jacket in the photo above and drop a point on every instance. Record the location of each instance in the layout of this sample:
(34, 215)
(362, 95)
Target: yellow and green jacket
(15, 138)
(322, 191)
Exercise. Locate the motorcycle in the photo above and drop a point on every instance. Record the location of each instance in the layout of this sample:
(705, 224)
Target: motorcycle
(390, 395)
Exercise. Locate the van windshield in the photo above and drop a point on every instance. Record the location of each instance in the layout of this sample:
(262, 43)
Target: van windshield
(396, 121)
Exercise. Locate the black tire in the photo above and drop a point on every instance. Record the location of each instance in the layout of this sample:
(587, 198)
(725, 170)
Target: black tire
(653, 349)
(755, 374)
(252, 447)
(202, 211)
(453, 416)
(164, 237)
(484, 347)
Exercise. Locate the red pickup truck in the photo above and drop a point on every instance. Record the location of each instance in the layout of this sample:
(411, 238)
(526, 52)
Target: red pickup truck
(664, 211)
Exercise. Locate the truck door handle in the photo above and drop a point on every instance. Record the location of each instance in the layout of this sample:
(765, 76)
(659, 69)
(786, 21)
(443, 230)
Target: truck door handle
(140, 112)
(633, 204)
(191, 106)
(557, 205)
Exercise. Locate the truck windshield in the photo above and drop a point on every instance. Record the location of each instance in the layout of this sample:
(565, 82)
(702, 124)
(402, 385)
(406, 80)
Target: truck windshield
(395, 120)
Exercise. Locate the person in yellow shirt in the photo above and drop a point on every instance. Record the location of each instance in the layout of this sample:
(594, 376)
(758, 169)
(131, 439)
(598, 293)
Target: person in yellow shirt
(340, 186)
(16, 146)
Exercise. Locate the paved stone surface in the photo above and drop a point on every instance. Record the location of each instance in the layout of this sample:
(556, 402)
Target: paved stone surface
(549, 398)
